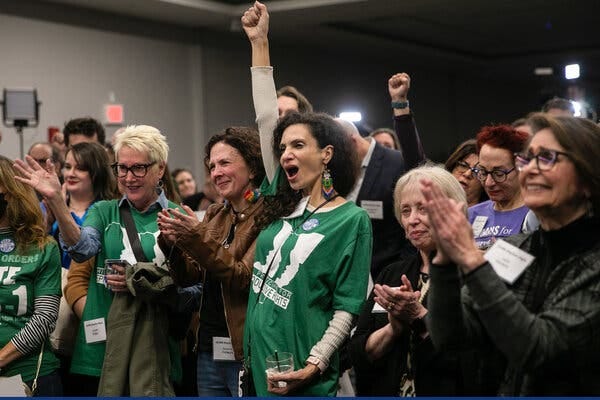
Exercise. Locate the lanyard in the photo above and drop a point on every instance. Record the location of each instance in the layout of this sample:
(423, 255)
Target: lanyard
(262, 285)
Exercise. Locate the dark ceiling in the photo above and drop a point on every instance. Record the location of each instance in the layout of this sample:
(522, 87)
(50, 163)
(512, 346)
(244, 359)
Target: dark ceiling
(507, 36)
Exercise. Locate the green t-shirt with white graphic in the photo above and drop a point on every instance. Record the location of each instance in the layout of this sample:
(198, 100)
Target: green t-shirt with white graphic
(104, 216)
(320, 265)
(25, 275)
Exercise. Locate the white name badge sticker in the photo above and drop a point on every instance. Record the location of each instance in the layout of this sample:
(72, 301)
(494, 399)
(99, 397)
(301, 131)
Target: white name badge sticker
(222, 349)
(95, 330)
(12, 386)
(508, 261)
(478, 225)
(373, 207)
(377, 309)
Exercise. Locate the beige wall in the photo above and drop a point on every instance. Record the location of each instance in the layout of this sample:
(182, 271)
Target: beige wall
(77, 70)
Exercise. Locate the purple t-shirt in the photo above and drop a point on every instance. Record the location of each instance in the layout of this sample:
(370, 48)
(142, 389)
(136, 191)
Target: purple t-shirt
(489, 224)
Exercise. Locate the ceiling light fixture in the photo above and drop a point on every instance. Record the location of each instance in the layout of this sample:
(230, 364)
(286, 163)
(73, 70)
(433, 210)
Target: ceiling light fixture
(543, 71)
(572, 71)
(352, 116)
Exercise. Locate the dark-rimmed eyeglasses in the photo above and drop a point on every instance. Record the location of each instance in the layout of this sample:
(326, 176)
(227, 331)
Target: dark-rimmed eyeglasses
(544, 160)
(462, 166)
(138, 170)
(498, 175)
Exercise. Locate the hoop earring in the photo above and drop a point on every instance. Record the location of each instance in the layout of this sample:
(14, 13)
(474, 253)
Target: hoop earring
(160, 184)
(326, 184)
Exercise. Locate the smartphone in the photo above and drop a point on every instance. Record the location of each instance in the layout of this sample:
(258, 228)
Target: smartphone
(108, 264)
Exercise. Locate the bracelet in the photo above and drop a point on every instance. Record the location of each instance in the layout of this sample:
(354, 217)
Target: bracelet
(400, 105)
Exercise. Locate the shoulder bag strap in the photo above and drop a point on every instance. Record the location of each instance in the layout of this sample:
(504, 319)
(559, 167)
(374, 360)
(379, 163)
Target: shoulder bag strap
(132, 233)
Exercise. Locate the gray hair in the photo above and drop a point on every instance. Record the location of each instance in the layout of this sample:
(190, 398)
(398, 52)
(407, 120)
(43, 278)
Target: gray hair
(438, 175)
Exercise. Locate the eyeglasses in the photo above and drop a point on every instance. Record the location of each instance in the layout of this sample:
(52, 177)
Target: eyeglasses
(544, 160)
(138, 170)
(498, 175)
(462, 167)
(42, 161)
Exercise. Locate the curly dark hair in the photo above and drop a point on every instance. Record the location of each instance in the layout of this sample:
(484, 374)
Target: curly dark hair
(84, 126)
(246, 141)
(343, 166)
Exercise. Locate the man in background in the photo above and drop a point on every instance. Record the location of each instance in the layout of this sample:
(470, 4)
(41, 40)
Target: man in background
(85, 129)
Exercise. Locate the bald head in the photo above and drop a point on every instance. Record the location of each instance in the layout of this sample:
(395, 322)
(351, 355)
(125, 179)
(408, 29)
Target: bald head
(41, 151)
(360, 143)
(348, 127)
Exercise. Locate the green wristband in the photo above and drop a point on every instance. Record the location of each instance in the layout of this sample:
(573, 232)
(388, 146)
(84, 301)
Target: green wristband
(400, 104)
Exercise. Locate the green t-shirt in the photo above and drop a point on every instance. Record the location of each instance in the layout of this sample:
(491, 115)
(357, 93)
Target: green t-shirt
(24, 276)
(104, 216)
(321, 265)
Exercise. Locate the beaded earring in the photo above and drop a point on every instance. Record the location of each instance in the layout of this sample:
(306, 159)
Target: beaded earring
(327, 184)
(252, 195)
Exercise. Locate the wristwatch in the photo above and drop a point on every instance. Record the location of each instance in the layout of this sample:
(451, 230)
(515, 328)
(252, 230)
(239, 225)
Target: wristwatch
(315, 361)
(400, 105)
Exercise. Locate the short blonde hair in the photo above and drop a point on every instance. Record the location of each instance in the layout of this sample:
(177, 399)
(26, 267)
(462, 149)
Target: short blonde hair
(145, 139)
(438, 175)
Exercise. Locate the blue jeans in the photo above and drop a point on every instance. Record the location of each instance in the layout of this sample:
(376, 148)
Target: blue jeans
(48, 385)
(217, 378)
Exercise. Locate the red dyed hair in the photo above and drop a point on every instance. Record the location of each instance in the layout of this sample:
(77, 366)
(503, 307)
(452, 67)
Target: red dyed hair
(503, 137)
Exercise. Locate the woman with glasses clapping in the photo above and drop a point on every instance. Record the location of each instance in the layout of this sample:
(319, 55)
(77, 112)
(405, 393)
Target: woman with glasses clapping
(503, 214)
(530, 308)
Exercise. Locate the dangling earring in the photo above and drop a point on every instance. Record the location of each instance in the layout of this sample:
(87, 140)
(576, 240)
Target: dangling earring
(252, 195)
(326, 184)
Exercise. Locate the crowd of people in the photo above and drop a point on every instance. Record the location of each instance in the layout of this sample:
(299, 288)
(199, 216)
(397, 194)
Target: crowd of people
(315, 261)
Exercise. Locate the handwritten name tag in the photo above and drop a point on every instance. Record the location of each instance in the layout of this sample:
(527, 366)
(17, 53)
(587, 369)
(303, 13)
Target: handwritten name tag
(508, 261)
(95, 330)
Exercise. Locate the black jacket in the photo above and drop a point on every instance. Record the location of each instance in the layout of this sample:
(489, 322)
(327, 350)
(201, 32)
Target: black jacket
(436, 374)
(389, 243)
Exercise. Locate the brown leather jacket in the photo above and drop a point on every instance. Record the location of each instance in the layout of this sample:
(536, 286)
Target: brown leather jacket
(203, 249)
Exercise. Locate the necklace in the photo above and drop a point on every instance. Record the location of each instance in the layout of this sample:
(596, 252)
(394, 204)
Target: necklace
(272, 259)
(318, 207)
(239, 213)
(229, 238)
